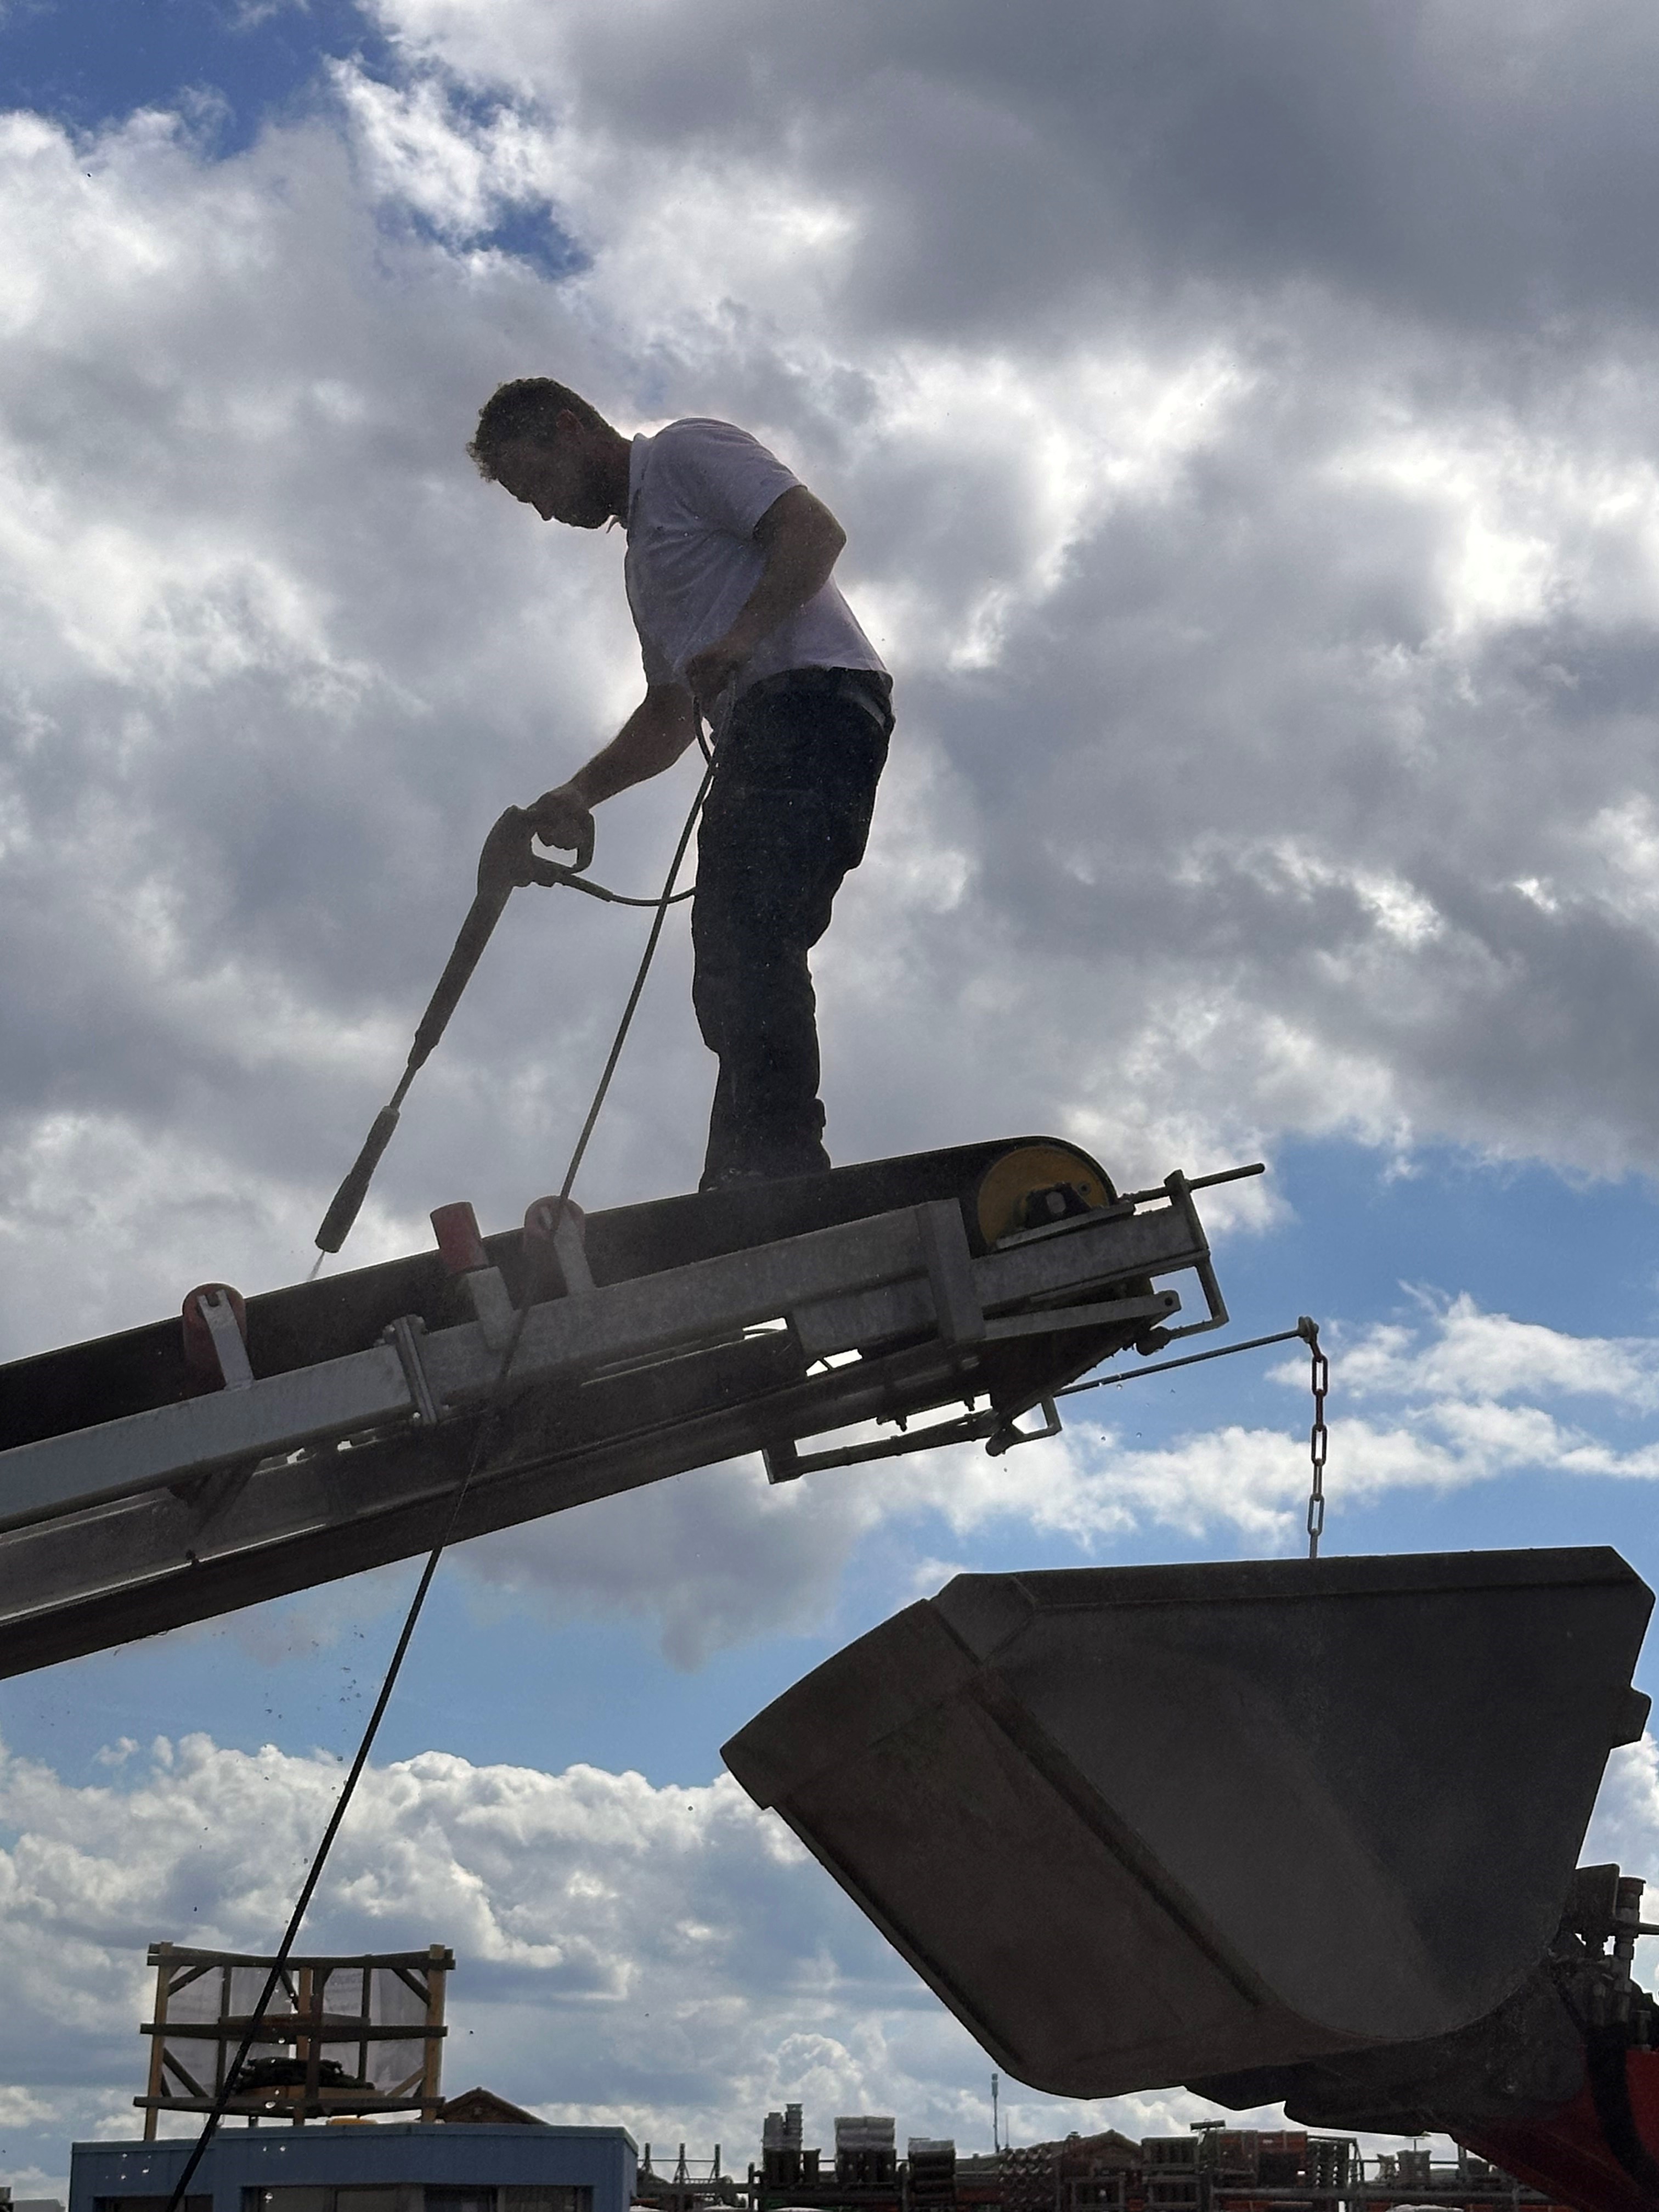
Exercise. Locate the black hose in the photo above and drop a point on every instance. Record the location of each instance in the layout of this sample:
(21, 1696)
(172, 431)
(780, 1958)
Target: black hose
(481, 1443)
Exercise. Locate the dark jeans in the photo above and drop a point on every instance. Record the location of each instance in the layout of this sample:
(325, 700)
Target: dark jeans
(786, 815)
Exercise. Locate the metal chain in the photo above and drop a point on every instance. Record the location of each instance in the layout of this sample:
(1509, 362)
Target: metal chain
(1318, 1437)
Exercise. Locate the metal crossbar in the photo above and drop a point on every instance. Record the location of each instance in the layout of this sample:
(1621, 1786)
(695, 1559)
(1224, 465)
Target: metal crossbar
(188, 1509)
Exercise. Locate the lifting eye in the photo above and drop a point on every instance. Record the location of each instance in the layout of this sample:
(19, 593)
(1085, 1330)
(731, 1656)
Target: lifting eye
(1060, 1201)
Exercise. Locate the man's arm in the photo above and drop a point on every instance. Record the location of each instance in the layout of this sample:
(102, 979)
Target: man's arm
(801, 540)
(652, 740)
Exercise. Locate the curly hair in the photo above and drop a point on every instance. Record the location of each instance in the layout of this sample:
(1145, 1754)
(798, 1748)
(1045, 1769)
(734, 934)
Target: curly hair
(529, 407)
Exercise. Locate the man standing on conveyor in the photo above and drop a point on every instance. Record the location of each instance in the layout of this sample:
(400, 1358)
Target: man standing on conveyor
(728, 577)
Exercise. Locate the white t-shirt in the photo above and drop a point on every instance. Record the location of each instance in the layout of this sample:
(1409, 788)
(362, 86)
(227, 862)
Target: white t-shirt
(695, 491)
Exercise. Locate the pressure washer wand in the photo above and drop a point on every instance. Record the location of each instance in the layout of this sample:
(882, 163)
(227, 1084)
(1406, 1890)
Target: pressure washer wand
(507, 859)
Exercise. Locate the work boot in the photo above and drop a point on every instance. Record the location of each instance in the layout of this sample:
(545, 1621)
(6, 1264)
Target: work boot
(742, 1178)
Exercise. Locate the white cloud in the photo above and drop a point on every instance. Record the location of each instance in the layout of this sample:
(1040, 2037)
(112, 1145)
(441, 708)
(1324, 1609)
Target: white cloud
(667, 1958)
(1202, 723)
(458, 171)
(1461, 1352)
(1214, 723)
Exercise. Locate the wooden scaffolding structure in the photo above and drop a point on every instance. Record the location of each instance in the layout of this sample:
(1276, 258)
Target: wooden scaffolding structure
(340, 2036)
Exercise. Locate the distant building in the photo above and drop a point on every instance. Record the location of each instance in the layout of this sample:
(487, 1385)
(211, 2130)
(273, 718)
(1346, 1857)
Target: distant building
(1214, 2168)
(494, 2165)
(692, 2184)
(476, 2108)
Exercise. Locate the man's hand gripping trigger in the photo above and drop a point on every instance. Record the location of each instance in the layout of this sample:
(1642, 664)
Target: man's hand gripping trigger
(509, 859)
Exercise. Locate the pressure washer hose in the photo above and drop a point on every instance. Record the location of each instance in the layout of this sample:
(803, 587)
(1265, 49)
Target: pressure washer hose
(484, 1434)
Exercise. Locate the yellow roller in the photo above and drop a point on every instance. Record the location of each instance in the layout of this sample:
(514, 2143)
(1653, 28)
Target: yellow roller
(1011, 1182)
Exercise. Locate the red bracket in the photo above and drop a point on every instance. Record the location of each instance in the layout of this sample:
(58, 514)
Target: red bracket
(460, 1245)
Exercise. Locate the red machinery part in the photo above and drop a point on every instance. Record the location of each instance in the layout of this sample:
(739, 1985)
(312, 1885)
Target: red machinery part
(460, 1245)
(1591, 2154)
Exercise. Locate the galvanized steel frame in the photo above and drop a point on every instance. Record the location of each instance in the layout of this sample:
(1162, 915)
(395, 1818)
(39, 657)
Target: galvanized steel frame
(189, 1509)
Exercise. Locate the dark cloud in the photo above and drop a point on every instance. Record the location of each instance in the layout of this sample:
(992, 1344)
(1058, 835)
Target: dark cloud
(1484, 167)
(1273, 609)
(713, 1559)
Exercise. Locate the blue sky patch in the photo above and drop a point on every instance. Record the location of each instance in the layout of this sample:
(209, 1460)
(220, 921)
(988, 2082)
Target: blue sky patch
(95, 61)
(529, 232)
(233, 66)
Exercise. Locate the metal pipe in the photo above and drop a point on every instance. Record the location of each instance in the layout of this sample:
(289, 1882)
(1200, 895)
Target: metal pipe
(1192, 1358)
(1194, 1182)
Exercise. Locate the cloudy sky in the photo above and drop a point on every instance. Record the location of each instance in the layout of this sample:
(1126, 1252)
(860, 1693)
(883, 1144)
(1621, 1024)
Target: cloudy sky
(1242, 418)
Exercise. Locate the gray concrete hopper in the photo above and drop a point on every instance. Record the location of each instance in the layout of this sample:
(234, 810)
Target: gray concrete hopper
(1139, 1825)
